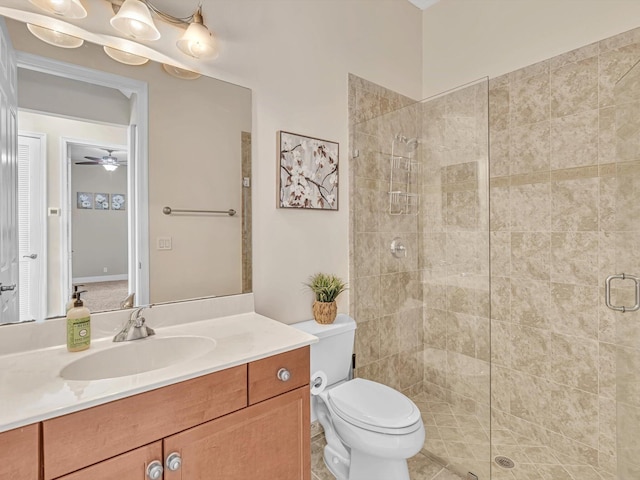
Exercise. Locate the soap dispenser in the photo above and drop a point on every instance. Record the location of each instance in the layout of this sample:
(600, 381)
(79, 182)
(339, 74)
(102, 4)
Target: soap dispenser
(74, 296)
(78, 326)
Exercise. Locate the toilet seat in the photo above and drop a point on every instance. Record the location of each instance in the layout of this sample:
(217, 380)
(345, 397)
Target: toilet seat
(375, 407)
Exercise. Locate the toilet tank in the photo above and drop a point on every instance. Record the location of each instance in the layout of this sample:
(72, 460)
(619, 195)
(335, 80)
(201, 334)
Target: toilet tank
(332, 354)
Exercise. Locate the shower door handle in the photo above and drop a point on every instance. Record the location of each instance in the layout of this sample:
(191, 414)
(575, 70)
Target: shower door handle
(607, 292)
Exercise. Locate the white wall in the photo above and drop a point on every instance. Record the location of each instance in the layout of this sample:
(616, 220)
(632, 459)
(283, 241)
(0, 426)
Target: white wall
(99, 238)
(295, 55)
(467, 39)
(297, 61)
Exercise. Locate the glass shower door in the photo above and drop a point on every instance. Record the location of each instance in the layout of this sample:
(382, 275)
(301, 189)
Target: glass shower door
(622, 317)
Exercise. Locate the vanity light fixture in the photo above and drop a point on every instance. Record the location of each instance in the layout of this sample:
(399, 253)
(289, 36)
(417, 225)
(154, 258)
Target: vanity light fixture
(55, 38)
(125, 57)
(64, 8)
(134, 20)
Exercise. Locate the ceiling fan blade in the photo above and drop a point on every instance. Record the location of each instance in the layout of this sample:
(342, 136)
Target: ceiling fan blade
(97, 159)
(88, 163)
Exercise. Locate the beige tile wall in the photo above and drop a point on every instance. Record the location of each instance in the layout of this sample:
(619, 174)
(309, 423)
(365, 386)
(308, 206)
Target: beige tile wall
(563, 214)
(455, 266)
(559, 210)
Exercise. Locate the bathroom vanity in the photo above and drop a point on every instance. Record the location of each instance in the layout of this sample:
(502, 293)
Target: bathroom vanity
(240, 411)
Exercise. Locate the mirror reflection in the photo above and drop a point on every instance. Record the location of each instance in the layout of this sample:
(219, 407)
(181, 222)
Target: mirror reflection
(85, 215)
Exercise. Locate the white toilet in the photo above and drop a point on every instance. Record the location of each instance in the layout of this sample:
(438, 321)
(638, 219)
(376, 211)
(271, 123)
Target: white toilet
(371, 429)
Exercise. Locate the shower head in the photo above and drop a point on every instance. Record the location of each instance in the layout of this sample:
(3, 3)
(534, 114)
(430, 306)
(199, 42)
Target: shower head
(411, 143)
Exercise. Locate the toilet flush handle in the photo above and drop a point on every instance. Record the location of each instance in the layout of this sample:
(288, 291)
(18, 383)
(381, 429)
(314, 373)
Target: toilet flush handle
(284, 375)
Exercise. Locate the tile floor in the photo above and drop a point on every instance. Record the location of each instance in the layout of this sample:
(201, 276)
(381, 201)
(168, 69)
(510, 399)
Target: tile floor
(421, 467)
(461, 441)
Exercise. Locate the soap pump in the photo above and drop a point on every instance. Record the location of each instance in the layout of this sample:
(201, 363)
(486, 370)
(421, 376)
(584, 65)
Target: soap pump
(78, 326)
(74, 296)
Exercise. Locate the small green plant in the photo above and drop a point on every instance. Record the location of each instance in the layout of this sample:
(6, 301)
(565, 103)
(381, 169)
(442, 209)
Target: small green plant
(326, 287)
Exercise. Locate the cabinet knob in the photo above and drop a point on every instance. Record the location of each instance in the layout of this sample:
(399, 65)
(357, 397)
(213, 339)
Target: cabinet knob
(284, 375)
(154, 470)
(174, 461)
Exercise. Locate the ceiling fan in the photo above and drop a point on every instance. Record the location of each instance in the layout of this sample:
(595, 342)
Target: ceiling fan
(109, 161)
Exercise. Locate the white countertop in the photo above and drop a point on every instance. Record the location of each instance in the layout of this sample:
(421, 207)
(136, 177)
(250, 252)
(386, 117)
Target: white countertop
(32, 390)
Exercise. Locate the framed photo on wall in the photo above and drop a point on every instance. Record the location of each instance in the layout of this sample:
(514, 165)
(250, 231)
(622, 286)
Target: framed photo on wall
(101, 201)
(307, 172)
(118, 201)
(84, 200)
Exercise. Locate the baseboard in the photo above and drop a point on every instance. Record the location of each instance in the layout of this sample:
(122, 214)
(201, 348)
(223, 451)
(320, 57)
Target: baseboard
(103, 278)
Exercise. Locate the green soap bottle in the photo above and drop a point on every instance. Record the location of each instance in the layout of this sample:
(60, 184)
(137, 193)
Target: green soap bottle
(78, 326)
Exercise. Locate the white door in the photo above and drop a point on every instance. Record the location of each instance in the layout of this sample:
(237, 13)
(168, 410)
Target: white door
(31, 222)
(9, 312)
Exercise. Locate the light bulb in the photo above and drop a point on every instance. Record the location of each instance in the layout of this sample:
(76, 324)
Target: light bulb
(198, 41)
(110, 168)
(180, 73)
(55, 38)
(64, 8)
(125, 57)
(134, 19)
(60, 6)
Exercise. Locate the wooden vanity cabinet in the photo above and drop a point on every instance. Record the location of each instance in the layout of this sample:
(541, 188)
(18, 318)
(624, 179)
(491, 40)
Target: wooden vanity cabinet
(210, 422)
(267, 441)
(128, 466)
(20, 453)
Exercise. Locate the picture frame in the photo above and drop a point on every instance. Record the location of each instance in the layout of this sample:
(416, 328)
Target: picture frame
(84, 200)
(101, 201)
(118, 202)
(308, 172)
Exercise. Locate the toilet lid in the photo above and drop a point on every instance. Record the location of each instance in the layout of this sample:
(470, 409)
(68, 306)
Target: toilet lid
(370, 403)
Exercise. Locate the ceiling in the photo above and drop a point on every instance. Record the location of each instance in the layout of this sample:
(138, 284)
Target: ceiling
(424, 4)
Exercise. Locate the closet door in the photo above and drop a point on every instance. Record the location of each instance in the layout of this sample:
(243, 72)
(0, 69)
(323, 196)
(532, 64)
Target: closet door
(9, 299)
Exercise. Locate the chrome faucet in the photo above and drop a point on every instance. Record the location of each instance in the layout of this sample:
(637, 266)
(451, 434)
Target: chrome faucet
(135, 328)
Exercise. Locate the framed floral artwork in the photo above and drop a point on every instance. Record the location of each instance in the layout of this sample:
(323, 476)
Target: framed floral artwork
(307, 172)
(101, 201)
(118, 201)
(84, 200)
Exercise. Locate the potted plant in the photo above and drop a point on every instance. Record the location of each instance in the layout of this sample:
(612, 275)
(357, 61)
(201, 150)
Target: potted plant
(326, 289)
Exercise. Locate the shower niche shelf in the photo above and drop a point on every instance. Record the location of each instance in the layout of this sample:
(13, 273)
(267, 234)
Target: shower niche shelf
(404, 198)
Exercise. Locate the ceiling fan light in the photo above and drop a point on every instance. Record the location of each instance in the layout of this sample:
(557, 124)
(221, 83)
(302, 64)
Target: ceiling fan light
(64, 8)
(125, 57)
(110, 168)
(134, 19)
(55, 38)
(180, 73)
(198, 41)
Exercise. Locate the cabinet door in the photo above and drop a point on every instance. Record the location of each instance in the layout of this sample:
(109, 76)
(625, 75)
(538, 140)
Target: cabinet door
(128, 466)
(20, 453)
(267, 441)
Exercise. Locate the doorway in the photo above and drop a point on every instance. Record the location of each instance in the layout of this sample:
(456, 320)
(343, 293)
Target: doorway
(35, 76)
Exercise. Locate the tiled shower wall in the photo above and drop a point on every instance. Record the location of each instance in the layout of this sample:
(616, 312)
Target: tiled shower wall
(556, 217)
(386, 292)
(563, 216)
(455, 263)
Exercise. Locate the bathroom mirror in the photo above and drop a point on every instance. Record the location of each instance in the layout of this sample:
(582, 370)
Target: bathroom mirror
(198, 158)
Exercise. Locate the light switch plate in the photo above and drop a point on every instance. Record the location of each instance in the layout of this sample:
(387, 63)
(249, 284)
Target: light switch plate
(164, 243)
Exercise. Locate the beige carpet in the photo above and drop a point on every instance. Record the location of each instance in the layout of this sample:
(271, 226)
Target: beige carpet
(101, 296)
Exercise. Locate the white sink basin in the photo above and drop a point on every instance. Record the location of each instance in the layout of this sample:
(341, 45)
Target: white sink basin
(137, 356)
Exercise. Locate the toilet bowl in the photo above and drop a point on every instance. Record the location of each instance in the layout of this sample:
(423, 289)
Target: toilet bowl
(380, 426)
(371, 429)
